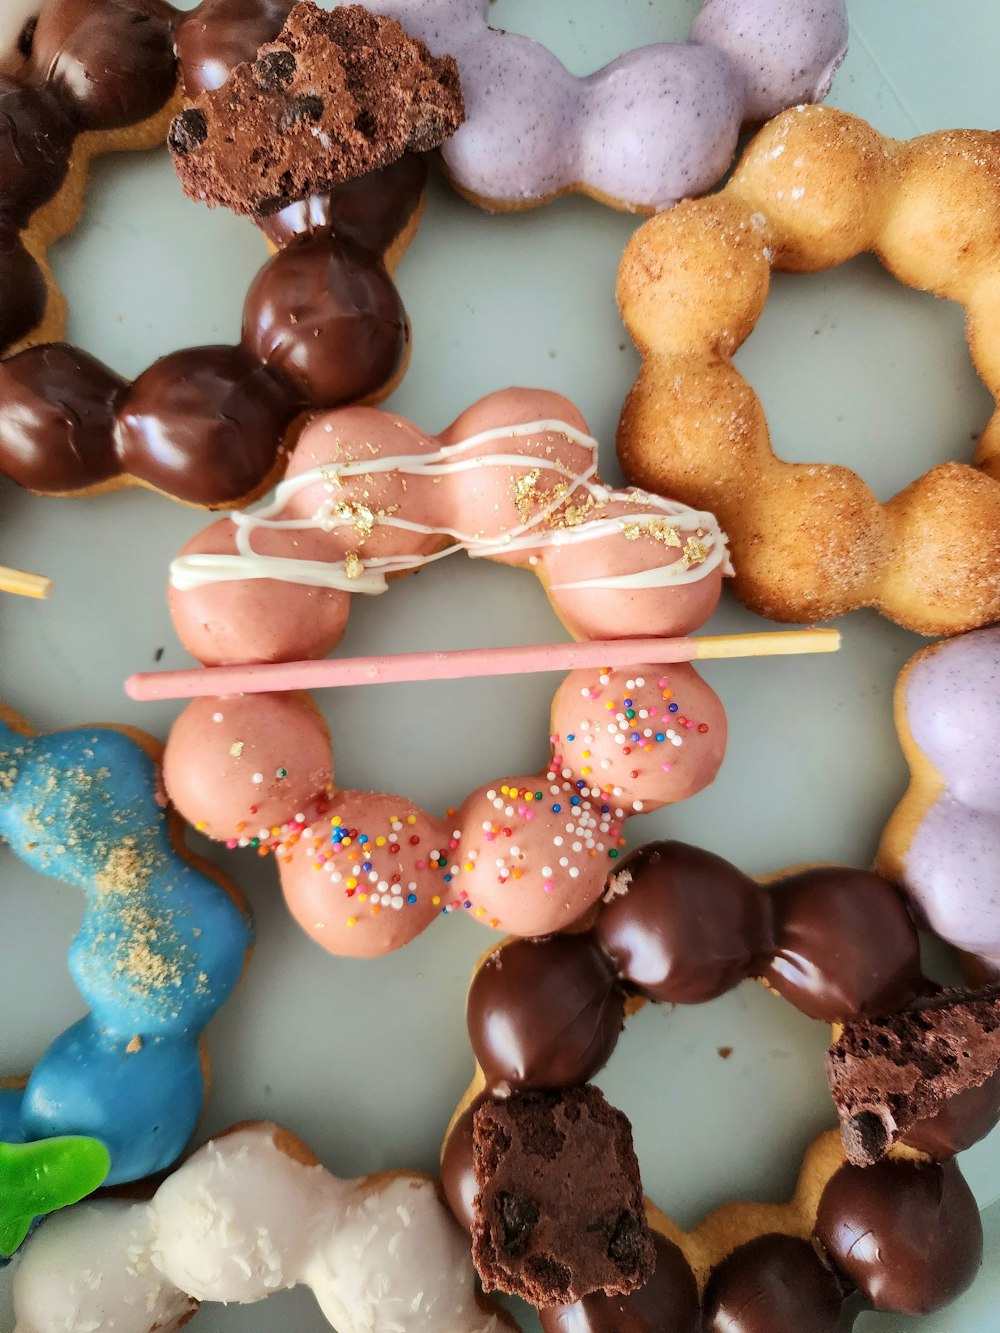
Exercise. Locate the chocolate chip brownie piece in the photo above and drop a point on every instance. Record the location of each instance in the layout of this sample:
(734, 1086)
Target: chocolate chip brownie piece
(887, 1074)
(336, 95)
(560, 1210)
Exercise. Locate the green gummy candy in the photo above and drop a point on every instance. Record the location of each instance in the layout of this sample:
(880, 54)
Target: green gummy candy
(38, 1178)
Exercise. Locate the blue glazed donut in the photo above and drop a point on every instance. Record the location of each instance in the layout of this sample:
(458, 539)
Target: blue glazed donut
(161, 945)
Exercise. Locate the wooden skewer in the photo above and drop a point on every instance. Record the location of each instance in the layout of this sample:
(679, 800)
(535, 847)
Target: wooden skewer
(466, 662)
(24, 585)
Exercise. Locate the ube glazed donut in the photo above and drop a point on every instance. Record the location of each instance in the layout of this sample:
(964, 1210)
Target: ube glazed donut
(656, 125)
(942, 844)
(322, 324)
(251, 1213)
(881, 1214)
(368, 496)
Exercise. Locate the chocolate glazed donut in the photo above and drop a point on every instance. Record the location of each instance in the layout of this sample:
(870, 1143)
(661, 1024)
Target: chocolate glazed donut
(679, 925)
(323, 323)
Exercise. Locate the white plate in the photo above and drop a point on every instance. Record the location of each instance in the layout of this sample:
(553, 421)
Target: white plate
(366, 1060)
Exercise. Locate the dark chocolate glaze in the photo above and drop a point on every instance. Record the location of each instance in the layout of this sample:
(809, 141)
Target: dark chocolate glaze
(203, 421)
(908, 1235)
(111, 61)
(774, 1284)
(458, 1175)
(683, 925)
(35, 141)
(57, 420)
(370, 211)
(677, 924)
(844, 944)
(22, 291)
(962, 1121)
(568, 1023)
(326, 315)
(668, 1303)
(323, 323)
(222, 33)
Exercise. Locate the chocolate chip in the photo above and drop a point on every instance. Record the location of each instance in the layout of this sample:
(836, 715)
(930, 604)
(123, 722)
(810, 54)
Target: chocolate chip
(627, 1246)
(309, 107)
(517, 1217)
(364, 121)
(865, 1137)
(274, 70)
(188, 131)
(26, 38)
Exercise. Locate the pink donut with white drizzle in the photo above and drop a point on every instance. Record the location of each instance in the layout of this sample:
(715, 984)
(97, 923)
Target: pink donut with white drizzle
(368, 497)
(656, 125)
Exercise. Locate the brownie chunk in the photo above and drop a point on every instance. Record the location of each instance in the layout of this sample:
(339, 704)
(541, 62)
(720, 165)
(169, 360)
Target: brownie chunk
(336, 95)
(887, 1074)
(560, 1211)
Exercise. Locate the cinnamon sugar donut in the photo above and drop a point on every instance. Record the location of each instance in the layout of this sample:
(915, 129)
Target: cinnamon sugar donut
(680, 926)
(815, 188)
(323, 323)
(368, 497)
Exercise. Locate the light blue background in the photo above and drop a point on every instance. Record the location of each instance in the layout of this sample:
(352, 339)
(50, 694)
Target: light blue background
(366, 1060)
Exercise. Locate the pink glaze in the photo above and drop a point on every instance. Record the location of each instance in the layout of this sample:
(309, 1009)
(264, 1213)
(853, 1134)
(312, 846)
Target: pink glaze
(245, 765)
(514, 479)
(363, 873)
(550, 513)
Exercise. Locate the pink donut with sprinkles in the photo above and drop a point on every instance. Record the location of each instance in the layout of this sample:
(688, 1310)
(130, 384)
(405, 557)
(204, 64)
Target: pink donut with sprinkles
(656, 125)
(368, 497)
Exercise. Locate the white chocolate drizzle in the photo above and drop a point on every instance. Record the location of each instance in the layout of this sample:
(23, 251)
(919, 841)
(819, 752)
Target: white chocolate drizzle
(369, 575)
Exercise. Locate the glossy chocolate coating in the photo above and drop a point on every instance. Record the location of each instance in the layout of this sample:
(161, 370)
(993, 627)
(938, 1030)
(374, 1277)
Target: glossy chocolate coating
(844, 944)
(57, 419)
(458, 1175)
(773, 1284)
(683, 925)
(35, 142)
(908, 1235)
(204, 422)
(370, 210)
(668, 1303)
(962, 1121)
(111, 61)
(325, 315)
(222, 33)
(544, 1013)
(22, 289)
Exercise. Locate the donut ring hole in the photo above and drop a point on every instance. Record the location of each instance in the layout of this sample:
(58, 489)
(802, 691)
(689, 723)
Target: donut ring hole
(133, 295)
(765, 1098)
(883, 380)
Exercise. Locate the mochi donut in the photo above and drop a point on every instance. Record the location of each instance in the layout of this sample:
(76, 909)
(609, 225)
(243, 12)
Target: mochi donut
(161, 945)
(817, 187)
(322, 323)
(366, 497)
(942, 844)
(881, 1212)
(251, 1213)
(654, 126)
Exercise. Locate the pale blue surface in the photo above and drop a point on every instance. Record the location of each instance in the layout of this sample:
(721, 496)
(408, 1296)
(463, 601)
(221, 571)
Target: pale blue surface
(366, 1060)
